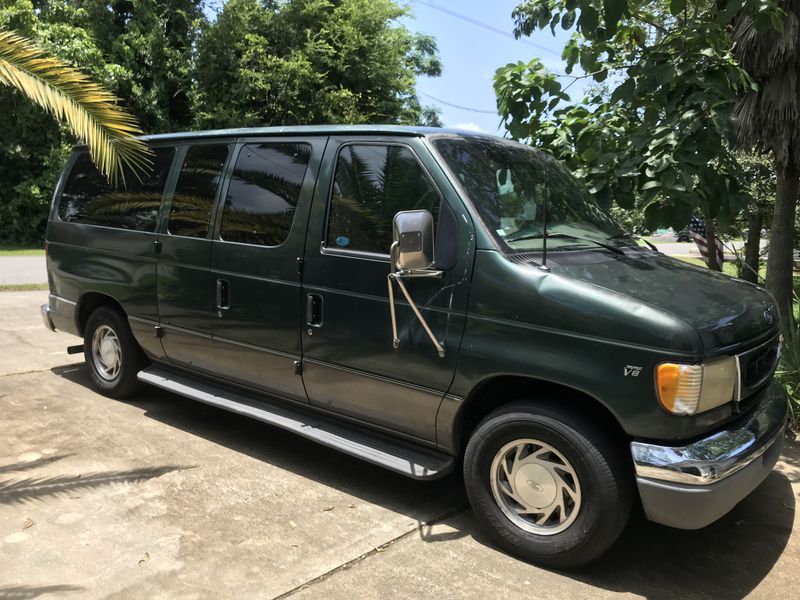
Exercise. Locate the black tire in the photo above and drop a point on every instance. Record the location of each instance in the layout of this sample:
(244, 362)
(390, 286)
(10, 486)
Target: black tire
(604, 478)
(122, 382)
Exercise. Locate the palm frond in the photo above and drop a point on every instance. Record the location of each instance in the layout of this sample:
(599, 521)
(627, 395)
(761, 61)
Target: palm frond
(91, 112)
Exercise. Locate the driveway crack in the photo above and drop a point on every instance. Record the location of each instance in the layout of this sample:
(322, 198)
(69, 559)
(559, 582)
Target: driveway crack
(377, 550)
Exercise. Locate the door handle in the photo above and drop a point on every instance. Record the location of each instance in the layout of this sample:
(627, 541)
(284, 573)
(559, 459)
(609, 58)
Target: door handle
(223, 295)
(314, 310)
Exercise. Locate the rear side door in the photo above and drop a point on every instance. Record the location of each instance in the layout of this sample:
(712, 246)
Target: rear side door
(349, 363)
(255, 263)
(185, 288)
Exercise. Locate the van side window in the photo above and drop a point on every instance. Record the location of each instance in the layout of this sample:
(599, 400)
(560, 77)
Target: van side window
(263, 193)
(88, 197)
(196, 190)
(372, 183)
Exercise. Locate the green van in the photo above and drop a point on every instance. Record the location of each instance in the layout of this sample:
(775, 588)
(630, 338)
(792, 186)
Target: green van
(426, 300)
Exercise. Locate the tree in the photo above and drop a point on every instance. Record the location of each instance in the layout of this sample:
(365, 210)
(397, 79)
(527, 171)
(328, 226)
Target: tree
(148, 54)
(769, 121)
(759, 183)
(140, 50)
(663, 138)
(86, 108)
(311, 61)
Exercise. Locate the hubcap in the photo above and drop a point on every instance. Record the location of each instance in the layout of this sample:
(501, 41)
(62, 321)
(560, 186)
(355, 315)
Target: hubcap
(106, 353)
(535, 486)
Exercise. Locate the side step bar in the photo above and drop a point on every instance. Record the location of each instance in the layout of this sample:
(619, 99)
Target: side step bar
(395, 455)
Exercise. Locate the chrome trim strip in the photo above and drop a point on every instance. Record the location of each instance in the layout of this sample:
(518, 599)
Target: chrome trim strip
(719, 455)
(64, 300)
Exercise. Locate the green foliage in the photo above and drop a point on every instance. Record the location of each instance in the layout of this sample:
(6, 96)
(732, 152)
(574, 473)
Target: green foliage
(311, 61)
(261, 62)
(662, 138)
(788, 372)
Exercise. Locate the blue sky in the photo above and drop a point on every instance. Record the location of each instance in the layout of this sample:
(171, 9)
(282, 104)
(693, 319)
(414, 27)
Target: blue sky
(470, 54)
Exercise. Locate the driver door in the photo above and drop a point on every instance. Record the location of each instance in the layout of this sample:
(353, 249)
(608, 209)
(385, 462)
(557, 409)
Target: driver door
(349, 364)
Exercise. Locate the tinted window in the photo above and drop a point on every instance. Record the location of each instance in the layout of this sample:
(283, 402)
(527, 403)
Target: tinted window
(196, 190)
(373, 183)
(89, 198)
(263, 193)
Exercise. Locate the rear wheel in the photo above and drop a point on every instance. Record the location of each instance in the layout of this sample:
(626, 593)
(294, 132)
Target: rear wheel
(548, 486)
(113, 356)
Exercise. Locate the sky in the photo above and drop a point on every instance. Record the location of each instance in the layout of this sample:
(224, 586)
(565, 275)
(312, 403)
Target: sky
(470, 55)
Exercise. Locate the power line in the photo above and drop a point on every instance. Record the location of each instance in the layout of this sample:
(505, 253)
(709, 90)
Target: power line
(485, 26)
(460, 107)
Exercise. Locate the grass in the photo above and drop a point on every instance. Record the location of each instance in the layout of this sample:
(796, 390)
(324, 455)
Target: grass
(728, 267)
(22, 287)
(20, 251)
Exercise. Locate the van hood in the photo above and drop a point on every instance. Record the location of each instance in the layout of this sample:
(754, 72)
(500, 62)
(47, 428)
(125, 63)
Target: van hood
(726, 312)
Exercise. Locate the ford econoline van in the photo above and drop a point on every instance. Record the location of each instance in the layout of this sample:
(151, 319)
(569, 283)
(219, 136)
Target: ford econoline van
(426, 300)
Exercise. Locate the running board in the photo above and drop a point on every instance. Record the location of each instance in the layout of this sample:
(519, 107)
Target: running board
(395, 455)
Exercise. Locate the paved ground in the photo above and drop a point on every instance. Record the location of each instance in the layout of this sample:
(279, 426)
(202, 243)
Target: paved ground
(159, 497)
(22, 269)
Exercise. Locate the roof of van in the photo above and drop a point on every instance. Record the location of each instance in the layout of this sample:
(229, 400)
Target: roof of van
(314, 129)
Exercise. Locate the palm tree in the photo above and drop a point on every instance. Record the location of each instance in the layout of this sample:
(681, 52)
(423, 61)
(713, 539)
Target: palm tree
(86, 108)
(768, 120)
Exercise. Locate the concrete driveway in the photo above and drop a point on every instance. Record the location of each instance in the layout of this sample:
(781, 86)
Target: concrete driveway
(159, 497)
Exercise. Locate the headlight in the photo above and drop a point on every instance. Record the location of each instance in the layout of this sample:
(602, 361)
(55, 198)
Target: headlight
(692, 389)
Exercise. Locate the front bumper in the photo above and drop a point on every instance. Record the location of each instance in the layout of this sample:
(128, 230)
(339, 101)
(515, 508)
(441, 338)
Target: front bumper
(691, 486)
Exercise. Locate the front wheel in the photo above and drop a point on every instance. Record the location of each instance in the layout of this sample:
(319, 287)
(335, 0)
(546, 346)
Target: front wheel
(548, 486)
(113, 356)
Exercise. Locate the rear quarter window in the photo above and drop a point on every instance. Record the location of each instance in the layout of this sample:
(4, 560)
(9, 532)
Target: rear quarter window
(90, 199)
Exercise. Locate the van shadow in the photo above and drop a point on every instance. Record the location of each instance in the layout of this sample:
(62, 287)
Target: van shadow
(425, 502)
(727, 560)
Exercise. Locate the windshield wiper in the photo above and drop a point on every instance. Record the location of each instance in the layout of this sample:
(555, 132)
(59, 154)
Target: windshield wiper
(634, 237)
(558, 234)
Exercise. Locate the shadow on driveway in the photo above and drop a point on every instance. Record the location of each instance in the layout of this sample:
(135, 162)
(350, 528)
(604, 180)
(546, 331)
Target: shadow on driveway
(728, 559)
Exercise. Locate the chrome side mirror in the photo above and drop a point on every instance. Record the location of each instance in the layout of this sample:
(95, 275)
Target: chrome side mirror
(412, 257)
(412, 246)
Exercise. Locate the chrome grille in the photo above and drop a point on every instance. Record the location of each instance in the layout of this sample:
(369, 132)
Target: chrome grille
(756, 367)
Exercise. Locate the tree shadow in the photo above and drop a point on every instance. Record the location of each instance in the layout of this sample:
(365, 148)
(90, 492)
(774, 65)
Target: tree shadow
(32, 464)
(419, 500)
(28, 592)
(17, 491)
(728, 559)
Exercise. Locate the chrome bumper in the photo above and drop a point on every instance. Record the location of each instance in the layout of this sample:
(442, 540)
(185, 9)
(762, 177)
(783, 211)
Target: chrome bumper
(48, 322)
(719, 455)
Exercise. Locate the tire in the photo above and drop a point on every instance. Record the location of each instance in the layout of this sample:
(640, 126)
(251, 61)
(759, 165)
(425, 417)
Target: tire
(112, 366)
(569, 463)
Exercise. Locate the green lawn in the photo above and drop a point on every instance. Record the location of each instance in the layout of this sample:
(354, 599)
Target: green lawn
(728, 268)
(20, 250)
(22, 287)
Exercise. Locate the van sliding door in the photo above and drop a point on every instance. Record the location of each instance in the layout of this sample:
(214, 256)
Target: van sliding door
(255, 266)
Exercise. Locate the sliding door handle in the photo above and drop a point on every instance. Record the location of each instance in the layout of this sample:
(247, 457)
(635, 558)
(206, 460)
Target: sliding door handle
(314, 310)
(223, 295)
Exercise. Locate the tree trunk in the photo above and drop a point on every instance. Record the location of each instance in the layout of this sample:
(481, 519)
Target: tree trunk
(781, 240)
(711, 245)
(752, 248)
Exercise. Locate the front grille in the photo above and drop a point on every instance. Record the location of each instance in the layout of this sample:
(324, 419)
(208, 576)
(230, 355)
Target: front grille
(756, 367)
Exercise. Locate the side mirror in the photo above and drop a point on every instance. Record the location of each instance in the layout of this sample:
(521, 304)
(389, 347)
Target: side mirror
(412, 248)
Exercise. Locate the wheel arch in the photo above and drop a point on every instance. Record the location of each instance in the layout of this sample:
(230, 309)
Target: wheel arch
(495, 391)
(91, 301)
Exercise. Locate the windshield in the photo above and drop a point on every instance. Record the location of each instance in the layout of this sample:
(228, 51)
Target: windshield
(508, 184)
